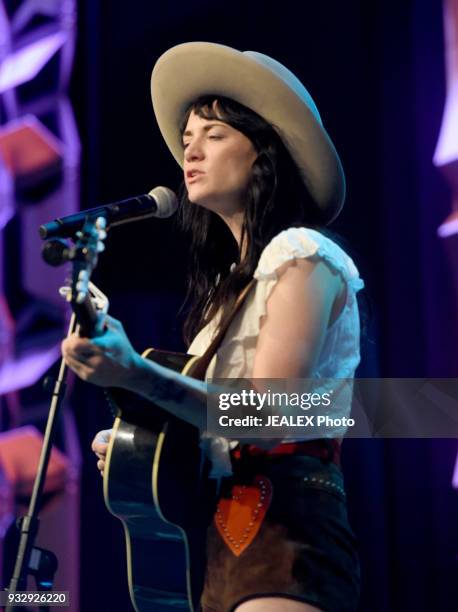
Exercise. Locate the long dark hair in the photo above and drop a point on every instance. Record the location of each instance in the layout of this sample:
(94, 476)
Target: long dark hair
(276, 199)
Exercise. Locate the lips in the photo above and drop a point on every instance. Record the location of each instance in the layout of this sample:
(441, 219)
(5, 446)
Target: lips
(193, 175)
(190, 174)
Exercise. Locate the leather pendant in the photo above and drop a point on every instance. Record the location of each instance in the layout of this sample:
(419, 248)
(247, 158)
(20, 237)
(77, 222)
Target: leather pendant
(239, 519)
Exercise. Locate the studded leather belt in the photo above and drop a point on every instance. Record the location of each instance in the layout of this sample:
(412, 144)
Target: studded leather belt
(323, 448)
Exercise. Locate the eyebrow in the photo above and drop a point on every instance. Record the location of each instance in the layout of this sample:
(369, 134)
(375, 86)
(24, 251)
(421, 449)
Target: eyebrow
(207, 127)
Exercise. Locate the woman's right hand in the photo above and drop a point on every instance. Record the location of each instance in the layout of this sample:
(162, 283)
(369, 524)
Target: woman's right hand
(100, 446)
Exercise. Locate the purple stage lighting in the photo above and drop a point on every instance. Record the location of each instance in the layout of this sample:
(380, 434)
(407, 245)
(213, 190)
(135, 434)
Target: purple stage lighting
(31, 153)
(446, 153)
(24, 65)
(28, 10)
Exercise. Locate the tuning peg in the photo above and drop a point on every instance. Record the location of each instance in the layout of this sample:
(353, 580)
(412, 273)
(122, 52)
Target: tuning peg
(66, 293)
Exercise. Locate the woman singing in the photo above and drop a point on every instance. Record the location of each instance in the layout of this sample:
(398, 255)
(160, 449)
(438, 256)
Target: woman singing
(261, 180)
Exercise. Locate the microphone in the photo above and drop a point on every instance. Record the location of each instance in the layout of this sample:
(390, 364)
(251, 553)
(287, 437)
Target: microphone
(160, 202)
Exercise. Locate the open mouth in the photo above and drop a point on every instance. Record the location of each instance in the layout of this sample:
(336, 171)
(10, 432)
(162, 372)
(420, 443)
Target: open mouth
(194, 176)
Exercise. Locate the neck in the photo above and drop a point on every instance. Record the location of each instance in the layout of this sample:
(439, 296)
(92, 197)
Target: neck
(235, 224)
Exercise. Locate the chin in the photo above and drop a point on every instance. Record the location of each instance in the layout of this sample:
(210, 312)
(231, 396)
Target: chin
(219, 203)
(201, 200)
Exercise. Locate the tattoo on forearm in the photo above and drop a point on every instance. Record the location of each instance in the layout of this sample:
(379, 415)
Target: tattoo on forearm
(166, 390)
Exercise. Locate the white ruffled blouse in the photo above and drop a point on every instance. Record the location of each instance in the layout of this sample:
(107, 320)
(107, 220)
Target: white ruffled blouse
(340, 353)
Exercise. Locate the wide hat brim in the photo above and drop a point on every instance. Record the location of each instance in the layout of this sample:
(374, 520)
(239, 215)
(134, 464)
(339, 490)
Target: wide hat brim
(187, 71)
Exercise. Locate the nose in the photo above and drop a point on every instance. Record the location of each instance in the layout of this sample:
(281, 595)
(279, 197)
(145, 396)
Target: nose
(194, 150)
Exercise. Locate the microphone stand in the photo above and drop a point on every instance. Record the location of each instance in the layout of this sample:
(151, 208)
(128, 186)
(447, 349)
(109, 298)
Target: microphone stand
(40, 563)
(88, 243)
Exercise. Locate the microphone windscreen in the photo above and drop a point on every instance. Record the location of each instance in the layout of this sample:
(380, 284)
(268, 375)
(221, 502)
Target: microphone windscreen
(166, 200)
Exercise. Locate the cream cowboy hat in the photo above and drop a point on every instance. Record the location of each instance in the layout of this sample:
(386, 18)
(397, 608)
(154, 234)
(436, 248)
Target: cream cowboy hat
(187, 71)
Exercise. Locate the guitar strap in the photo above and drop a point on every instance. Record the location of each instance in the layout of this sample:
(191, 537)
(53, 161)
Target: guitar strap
(199, 369)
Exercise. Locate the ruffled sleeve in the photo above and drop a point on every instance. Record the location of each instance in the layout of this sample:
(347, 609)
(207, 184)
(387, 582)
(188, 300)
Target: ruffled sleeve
(297, 243)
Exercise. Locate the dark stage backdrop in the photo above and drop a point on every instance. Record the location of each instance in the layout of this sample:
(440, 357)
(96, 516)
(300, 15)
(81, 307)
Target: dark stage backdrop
(376, 72)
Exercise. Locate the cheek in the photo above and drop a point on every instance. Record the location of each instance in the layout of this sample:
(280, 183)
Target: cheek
(239, 171)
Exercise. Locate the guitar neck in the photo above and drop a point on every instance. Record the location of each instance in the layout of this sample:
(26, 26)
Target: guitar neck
(86, 316)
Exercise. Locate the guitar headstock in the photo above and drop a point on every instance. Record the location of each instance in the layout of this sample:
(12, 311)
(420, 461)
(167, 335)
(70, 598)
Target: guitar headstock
(80, 292)
(89, 243)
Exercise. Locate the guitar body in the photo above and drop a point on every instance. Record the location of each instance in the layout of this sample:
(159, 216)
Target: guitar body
(156, 482)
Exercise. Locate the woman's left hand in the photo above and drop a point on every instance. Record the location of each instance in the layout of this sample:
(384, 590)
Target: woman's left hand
(108, 360)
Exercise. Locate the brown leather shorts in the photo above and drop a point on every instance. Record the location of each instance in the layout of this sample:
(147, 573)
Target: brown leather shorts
(304, 548)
